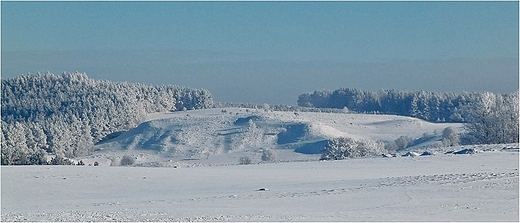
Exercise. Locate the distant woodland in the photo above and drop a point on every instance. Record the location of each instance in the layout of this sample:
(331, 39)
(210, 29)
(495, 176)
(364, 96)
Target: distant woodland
(65, 115)
(488, 118)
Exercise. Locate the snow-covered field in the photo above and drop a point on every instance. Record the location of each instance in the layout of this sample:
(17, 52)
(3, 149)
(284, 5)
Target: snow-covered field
(446, 187)
(187, 170)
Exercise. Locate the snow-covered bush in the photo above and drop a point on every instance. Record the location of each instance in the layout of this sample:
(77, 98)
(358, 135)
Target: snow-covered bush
(127, 160)
(244, 160)
(344, 147)
(450, 137)
(403, 142)
(59, 160)
(268, 155)
(390, 146)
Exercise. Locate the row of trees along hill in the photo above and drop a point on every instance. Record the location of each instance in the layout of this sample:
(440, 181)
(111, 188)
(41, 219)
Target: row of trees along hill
(489, 118)
(65, 115)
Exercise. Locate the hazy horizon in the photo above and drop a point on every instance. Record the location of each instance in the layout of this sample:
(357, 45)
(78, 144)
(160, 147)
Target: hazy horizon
(269, 52)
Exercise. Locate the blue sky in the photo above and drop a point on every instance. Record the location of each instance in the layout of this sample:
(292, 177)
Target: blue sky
(269, 52)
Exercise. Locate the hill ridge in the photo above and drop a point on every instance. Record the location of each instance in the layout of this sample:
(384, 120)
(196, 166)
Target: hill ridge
(213, 132)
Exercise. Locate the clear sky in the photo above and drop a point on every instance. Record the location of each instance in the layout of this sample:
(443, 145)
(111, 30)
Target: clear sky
(269, 52)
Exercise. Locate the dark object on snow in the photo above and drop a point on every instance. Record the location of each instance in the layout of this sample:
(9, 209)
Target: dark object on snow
(262, 189)
(389, 155)
(426, 153)
(412, 154)
(466, 151)
(449, 152)
(511, 149)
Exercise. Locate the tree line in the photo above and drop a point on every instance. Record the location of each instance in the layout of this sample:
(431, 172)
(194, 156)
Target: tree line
(65, 115)
(488, 118)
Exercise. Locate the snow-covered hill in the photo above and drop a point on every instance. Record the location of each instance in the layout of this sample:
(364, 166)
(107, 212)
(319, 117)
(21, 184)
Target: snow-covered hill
(222, 135)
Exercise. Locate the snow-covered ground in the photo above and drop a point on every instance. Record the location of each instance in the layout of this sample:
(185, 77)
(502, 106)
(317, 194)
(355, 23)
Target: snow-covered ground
(223, 135)
(443, 187)
(187, 170)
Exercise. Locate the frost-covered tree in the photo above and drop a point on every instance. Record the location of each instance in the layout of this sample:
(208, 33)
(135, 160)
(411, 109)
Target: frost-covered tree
(14, 146)
(38, 158)
(67, 114)
(430, 106)
(493, 119)
(268, 155)
(344, 147)
(450, 137)
(403, 142)
(127, 160)
(390, 146)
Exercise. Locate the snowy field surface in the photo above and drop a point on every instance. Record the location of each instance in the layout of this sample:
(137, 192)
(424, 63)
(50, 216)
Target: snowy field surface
(445, 187)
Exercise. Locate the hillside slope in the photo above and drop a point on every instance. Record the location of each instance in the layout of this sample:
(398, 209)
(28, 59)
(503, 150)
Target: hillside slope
(232, 132)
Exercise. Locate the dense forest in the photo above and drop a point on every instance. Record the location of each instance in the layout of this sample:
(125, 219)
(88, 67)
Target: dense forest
(489, 118)
(65, 115)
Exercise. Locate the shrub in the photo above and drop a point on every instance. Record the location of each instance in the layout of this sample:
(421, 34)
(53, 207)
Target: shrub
(127, 160)
(268, 155)
(96, 163)
(403, 142)
(244, 160)
(391, 146)
(60, 160)
(450, 137)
